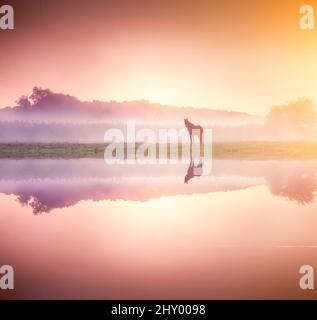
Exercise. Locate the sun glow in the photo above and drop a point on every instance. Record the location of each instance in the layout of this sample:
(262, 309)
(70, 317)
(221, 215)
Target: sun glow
(162, 92)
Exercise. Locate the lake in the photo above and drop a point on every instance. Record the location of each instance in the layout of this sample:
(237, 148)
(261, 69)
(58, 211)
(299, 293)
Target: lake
(81, 229)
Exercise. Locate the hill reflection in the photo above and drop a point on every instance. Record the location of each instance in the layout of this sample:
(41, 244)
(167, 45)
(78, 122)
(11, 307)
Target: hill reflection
(49, 184)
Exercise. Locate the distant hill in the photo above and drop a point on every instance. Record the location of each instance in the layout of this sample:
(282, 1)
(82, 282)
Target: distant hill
(44, 105)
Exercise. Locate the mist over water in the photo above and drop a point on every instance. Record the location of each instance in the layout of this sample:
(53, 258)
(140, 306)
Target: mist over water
(58, 183)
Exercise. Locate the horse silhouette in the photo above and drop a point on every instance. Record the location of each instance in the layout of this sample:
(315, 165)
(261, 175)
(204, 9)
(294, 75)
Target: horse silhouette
(190, 127)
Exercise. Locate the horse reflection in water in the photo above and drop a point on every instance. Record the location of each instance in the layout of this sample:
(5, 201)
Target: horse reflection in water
(193, 170)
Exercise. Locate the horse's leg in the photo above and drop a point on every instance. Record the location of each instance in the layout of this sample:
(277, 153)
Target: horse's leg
(191, 145)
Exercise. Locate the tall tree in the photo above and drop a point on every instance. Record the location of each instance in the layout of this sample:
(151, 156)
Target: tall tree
(299, 116)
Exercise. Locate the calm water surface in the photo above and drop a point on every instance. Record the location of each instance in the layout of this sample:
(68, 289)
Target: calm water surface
(81, 229)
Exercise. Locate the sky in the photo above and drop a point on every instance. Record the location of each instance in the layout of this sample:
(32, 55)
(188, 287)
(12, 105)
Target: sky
(231, 55)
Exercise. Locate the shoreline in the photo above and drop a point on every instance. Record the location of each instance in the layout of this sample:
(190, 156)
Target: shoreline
(249, 150)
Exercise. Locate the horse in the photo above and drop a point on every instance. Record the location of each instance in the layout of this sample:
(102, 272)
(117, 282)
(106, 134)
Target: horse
(190, 127)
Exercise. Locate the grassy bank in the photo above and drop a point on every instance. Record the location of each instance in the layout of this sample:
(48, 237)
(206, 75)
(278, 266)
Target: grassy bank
(265, 150)
(233, 150)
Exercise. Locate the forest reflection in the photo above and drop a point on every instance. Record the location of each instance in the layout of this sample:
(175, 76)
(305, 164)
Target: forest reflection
(49, 184)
